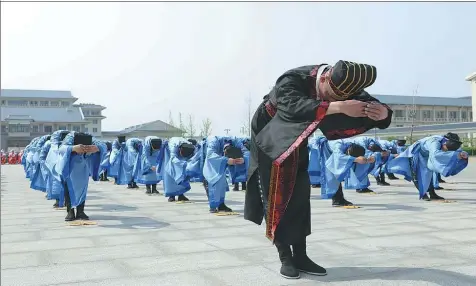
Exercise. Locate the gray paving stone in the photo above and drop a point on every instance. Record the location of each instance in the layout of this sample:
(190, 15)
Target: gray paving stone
(394, 239)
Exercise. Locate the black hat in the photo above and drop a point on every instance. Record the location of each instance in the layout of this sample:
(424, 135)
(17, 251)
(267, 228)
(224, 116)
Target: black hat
(63, 134)
(186, 150)
(121, 139)
(401, 142)
(109, 146)
(375, 148)
(82, 138)
(192, 141)
(347, 78)
(156, 143)
(452, 136)
(355, 150)
(232, 152)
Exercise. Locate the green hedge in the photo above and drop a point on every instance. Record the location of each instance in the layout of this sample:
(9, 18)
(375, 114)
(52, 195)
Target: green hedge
(471, 151)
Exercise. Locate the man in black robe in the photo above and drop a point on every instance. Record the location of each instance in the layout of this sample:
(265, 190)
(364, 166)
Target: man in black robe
(330, 98)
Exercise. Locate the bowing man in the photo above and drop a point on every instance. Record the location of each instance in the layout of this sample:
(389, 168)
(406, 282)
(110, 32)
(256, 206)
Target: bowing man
(54, 185)
(441, 154)
(80, 156)
(341, 159)
(314, 168)
(115, 159)
(106, 163)
(151, 153)
(39, 174)
(238, 173)
(130, 155)
(195, 164)
(220, 154)
(175, 170)
(391, 147)
(331, 98)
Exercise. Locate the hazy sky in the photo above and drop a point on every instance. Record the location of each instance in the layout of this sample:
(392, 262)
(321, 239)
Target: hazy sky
(141, 60)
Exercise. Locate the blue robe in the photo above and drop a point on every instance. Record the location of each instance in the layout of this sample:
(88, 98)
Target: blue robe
(29, 165)
(55, 188)
(38, 175)
(362, 182)
(129, 160)
(106, 162)
(239, 173)
(214, 170)
(314, 168)
(75, 169)
(425, 157)
(115, 159)
(176, 171)
(149, 158)
(195, 164)
(336, 166)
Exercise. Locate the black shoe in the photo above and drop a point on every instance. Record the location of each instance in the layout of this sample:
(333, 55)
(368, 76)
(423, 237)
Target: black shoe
(435, 197)
(383, 183)
(316, 186)
(182, 198)
(224, 208)
(341, 203)
(56, 205)
(439, 188)
(70, 216)
(425, 198)
(82, 216)
(134, 185)
(155, 192)
(288, 270)
(171, 199)
(236, 187)
(213, 210)
(391, 177)
(148, 192)
(364, 191)
(129, 186)
(441, 181)
(243, 186)
(306, 265)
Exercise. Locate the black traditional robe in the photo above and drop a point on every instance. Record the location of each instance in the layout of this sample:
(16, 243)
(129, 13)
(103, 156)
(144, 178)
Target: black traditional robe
(279, 160)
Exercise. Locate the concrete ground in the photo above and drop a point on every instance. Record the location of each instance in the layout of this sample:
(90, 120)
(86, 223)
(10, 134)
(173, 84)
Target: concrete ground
(394, 239)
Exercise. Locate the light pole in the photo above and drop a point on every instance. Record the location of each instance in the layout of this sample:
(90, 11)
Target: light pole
(227, 130)
(411, 112)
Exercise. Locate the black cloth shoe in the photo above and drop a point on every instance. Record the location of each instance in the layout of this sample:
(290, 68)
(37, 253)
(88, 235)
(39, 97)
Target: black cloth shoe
(365, 190)
(70, 216)
(56, 205)
(243, 186)
(134, 185)
(434, 196)
(224, 208)
(391, 177)
(182, 198)
(341, 203)
(80, 212)
(316, 186)
(439, 188)
(236, 187)
(148, 191)
(425, 198)
(154, 189)
(129, 186)
(288, 270)
(212, 210)
(171, 199)
(303, 263)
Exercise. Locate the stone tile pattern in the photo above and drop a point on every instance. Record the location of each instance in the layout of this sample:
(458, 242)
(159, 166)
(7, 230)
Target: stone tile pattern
(394, 239)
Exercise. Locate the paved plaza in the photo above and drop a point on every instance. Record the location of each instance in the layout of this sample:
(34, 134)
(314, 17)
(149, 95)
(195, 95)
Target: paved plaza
(394, 239)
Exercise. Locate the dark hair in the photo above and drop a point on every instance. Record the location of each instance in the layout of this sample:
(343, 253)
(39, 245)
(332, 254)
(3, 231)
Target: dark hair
(375, 148)
(355, 150)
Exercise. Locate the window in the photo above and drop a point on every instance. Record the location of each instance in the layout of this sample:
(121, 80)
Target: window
(95, 121)
(440, 114)
(95, 113)
(453, 114)
(86, 112)
(54, 103)
(4, 128)
(426, 114)
(86, 129)
(20, 128)
(4, 102)
(399, 113)
(18, 102)
(95, 130)
(76, 128)
(48, 129)
(399, 125)
(33, 103)
(463, 115)
(35, 128)
(44, 103)
(64, 103)
(62, 127)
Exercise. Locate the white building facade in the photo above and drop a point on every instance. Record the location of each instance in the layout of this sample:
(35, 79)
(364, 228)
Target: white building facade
(472, 79)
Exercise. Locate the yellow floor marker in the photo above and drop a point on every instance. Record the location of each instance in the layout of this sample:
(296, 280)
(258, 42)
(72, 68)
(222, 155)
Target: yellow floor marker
(444, 201)
(348, 207)
(226, 213)
(81, 222)
(184, 202)
(59, 209)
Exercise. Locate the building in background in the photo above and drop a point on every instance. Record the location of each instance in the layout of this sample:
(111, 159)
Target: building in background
(26, 114)
(472, 78)
(93, 115)
(424, 110)
(155, 128)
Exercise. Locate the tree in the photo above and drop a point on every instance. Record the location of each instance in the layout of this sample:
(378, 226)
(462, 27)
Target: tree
(181, 125)
(206, 129)
(411, 112)
(190, 127)
(246, 127)
(171, 119)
